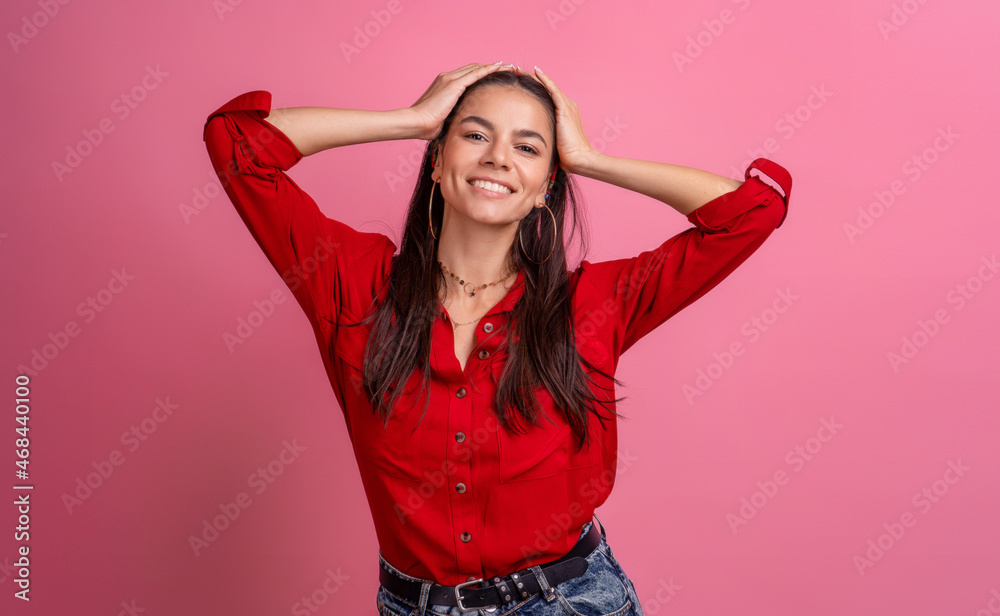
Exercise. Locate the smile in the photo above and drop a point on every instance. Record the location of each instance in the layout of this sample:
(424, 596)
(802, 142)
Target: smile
(491, 187)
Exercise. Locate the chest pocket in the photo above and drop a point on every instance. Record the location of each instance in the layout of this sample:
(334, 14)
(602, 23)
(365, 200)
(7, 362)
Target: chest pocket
(350, 344)
(547, 449)
(393, 449)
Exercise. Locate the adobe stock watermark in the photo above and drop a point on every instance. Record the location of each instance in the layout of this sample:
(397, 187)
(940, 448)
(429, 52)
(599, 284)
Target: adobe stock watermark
(260, 136)
(318, 598)
(264, 309)
(371, 29)
(959, 295)
(259, 481)
(611, 130)
(122, 107)
(786, 126)
(923, 501)
(992, 606)
(753, 328)
(32, 24)
(588, 495)
(245, 327)
(88, 310)
(564, 10)
(665, 592)
(898, 17)
(131, 439)
(222, 7)
(200, 198)
(407, 165)
(714, 28)
(913, 169)
(130, 609)
(435, 479)
(8, 570)
(796, 458)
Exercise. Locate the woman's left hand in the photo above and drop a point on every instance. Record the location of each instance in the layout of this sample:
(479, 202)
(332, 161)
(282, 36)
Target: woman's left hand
(575, 151)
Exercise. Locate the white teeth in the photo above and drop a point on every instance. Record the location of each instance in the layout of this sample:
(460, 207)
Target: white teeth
(497, 188)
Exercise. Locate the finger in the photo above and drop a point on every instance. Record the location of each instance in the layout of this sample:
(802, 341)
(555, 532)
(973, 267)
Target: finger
(477, 72)
(545, 79)
(482, 68)
(461, 72)
(557, 96)
(462, 69)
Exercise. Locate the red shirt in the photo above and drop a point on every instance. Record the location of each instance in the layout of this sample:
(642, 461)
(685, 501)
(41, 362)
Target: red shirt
(461, 498)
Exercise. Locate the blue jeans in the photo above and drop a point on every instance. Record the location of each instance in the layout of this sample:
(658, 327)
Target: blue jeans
(603, 590)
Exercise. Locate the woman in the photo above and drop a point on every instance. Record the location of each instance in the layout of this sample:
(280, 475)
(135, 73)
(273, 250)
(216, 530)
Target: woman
(484, 468)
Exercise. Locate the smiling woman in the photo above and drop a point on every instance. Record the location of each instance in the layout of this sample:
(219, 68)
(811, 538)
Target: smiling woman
(472, 367)
(497, 148)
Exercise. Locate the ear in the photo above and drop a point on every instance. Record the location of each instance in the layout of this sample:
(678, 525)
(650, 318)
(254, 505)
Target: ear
(436, 163)
(540, 195)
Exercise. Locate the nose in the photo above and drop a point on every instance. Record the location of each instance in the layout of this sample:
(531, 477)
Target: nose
(497, 155)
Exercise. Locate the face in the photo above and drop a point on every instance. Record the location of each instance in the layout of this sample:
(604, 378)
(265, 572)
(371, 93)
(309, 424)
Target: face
(494, 162)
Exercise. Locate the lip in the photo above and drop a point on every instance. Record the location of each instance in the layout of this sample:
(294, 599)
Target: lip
(495, 181)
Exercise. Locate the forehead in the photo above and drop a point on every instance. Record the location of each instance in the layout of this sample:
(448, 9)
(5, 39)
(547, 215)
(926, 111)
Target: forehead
(508, 108)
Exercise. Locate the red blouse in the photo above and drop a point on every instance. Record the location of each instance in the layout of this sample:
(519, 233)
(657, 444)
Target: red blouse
(460, 498)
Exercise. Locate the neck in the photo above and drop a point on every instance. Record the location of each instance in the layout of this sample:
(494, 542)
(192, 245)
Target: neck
(476, 253)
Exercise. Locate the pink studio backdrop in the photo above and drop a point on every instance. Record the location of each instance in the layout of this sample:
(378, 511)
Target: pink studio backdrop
(843, 461)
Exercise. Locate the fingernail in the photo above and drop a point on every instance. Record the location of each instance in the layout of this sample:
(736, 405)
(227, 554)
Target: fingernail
(500, 62)
(539, 70)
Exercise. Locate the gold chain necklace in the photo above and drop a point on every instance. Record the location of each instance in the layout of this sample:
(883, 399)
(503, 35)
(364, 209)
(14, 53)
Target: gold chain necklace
(472, 293)
(465, 285)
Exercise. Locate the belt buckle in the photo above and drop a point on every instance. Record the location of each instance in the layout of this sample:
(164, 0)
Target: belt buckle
(458, 597)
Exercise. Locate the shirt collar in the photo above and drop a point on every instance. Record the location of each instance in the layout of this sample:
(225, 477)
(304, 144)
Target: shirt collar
(515, 293)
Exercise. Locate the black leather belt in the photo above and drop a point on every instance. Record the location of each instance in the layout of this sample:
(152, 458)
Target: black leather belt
(498, 590)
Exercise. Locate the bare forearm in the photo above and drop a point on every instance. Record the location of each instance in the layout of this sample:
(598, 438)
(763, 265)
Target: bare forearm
(313, 129)
(683, 188)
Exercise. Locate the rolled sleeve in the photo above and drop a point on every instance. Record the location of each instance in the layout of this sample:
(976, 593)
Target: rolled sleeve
(328, 266)
(653, 286)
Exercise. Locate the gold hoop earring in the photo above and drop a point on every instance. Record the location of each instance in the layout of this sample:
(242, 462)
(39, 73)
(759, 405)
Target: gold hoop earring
(555, 235)
(430, 208)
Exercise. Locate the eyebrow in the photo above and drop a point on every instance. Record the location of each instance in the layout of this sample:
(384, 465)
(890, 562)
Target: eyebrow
(523, 132)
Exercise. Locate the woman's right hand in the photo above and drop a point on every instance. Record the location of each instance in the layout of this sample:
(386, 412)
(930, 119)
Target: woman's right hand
(437, 102)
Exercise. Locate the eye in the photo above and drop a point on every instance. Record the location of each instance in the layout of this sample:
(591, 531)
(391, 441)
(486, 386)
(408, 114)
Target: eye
(527, 149)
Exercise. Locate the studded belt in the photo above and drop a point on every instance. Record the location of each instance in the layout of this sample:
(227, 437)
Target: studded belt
(498, 590)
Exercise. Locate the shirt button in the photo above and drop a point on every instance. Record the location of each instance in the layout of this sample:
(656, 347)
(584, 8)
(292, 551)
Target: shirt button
(461, 392)
(466, 537)
(484, 354)
(471, 578)
(460, 488)
(460, 436)
(488, 327)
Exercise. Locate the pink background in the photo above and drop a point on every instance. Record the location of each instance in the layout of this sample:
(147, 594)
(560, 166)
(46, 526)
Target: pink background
(749, 82)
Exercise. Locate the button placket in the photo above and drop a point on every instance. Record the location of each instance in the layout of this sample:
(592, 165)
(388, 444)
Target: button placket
(459, 473)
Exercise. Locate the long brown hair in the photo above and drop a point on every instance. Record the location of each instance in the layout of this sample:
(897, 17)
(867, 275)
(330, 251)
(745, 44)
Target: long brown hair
(544, 348)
